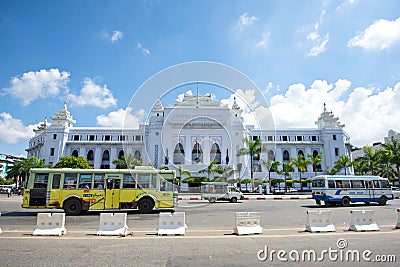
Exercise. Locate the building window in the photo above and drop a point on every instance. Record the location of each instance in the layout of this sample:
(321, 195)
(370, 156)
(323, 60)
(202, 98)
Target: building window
(137, 138)
(215, 153)
(270, 138)
(314, 138)
(107, 138)
(286, 155)
(121, 137)
(52, 151)
(284, 138)
(91, 137)
(54, 136)
(299, 138)
(75, 153)
(76, 137)
(106, 155)
(336, 151)
(197, 153)
(179, 154)
(90, 155)
(137, 155)
(157, 133)
(334, 137)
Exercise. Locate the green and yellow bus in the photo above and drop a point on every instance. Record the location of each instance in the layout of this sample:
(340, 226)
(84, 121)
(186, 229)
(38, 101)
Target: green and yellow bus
(79, 190)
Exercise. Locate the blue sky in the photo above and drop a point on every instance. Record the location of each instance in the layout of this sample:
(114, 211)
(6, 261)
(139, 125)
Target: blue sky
(301, 54)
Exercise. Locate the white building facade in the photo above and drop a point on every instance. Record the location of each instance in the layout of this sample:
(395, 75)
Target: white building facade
(190, 134)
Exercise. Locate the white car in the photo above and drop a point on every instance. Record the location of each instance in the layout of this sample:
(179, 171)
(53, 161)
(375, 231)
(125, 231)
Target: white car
(396, 192)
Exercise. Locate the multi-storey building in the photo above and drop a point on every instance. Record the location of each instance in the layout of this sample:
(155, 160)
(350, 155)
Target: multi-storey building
(191, 134)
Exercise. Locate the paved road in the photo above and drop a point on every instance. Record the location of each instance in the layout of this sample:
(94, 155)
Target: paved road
(208, 241)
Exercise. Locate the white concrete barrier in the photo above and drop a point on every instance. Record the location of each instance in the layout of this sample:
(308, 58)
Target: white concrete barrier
(50, 224)
(319, 221)
(247, 223)
(398, 219)
(363, 220)
(172, 223)
(113, 224)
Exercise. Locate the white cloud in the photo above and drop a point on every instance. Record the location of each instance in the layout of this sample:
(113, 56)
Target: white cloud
(144, 50)
(93, 94)
(367, 113)
(13, 130)
(122, 118)
(318, 42)
(116, 36)
(382, 34)
(245, 21)
(264, 42)
(40, 84)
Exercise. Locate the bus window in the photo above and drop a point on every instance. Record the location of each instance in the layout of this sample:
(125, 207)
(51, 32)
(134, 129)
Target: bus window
(128, 181)
(85, 181)
(41, 180)
(331, 184)
(143, 180)
(99, 181)
(346, 184)
(357, 184)
(385, 184)
(56, 181)
(339, 183)
(376, 184)
(318, 183)
(70, 180)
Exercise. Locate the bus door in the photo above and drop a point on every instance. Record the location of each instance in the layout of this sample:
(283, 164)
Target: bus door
(113, 184)
(38, 192)
(55, 190)
(370, 189)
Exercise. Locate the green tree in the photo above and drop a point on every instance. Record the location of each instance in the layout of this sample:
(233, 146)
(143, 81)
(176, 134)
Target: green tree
(224, 171)
(210, 169)
(127, 162)
(343, 162)
(253, 149)
(271, 166)
(22, 168)
(286, 171)
(301, 164)
(384, 167)
(315, 161)
(394, 148)
(73, 162)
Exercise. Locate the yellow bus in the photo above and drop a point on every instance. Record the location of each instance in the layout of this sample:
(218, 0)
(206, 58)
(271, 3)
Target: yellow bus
(79, 190)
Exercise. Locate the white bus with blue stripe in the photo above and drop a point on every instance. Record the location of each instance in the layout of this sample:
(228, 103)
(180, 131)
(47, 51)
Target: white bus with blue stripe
(345, 189)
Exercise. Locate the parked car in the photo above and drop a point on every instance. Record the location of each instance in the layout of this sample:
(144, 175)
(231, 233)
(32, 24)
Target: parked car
(396, 192)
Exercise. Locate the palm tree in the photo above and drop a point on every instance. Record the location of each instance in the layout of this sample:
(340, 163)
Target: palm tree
(182, 171)
(342, 163)
(272, 166)
(253, 149)
(383, 159)
(315, 161)
(287, 169)
(394, 148)
(301, 164)
(225, 172)
(210, 169)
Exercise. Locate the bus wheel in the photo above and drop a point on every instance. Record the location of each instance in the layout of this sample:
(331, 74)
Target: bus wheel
(382, 201)
(212, 200)
(367, 203)
(145, 205)
(345, 202)
(73, 206)
(234, 200)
